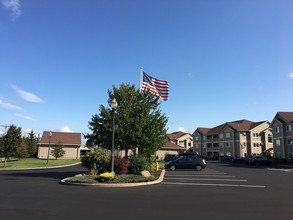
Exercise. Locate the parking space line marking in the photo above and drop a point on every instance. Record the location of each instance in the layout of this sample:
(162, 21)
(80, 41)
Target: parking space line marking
(284, 170)
(210, 184)
(203, 173)
(207, 175)
(203, 179)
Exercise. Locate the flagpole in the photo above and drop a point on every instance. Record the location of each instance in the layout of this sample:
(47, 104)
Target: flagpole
(141, 78)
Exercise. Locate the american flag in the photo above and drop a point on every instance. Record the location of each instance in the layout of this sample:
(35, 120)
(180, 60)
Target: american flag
(155, 86)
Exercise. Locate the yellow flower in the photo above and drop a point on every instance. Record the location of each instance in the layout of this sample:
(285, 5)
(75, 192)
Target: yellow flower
(107, 175)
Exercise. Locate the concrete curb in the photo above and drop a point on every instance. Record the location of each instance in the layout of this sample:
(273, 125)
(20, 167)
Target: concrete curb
(159, 180)
(43, 168)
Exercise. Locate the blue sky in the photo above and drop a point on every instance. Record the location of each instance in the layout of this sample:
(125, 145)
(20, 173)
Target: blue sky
(224, 60)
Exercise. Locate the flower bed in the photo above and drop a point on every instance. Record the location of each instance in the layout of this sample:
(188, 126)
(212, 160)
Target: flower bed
(126, 178)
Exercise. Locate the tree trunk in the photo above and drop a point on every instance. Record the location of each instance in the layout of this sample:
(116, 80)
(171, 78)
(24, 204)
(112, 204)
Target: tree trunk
(5, 161)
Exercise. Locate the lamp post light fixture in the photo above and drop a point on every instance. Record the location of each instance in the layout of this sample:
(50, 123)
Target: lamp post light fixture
(114, 106)
(50, 135)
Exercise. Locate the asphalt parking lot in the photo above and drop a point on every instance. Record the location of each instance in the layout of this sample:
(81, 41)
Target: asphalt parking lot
(220, 191)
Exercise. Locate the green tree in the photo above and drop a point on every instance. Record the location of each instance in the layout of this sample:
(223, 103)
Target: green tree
(96, 161)
(138, 119)
(10, 142)
(58, 151)
(22, 150)
(31, 142)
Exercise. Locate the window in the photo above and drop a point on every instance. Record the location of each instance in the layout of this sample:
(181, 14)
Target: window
(270, 139)
(196, 138)
(227, 144)
(278, 142)
(278, 129)
(288, 127)
(227, 135)
(204, 137)
(255, 134)
(221, 136)
(255, 144)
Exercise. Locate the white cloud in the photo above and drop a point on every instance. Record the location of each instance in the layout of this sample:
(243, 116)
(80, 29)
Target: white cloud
(181, 129)
(291, 75)
(9, 105)
(65, 129)
(14, 6)
(24, 117)
(28, 96)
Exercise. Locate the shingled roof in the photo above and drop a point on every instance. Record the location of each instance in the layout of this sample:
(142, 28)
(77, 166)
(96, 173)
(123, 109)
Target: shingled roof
(171, 146)
(176, 135)
(203, 131)
(287, 116)
(239, 125)
(244, 125)
(66, 138)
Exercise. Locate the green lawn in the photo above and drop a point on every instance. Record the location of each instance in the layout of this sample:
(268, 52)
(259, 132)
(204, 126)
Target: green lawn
(35, 163)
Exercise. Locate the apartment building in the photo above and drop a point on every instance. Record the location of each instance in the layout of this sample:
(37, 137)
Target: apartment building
(282, 128)
(176, 142)
(237, 139)
(182, 139)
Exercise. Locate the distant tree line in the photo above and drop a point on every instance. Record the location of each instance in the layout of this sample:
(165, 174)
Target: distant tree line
(13, 144)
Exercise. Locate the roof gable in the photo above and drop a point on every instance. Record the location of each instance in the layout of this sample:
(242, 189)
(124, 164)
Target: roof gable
(216, 130)
(66, 138)
(284, 116)
(203, 131)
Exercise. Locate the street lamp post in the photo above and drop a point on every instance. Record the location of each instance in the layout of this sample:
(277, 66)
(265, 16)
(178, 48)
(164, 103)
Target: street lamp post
(290, 142)
(50, 135)
(114, 106)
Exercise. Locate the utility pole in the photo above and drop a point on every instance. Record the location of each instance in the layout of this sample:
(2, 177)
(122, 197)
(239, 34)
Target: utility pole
(5, 128)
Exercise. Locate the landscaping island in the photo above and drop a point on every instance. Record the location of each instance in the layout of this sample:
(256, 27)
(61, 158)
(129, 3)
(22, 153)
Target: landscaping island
(125, 180)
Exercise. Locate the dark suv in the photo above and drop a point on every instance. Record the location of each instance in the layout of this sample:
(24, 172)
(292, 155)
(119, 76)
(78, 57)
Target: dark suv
(225, 159)
(186, 162)
(262, 160)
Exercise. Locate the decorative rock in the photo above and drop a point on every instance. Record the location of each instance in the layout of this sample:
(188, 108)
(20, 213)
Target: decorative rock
(145, 173)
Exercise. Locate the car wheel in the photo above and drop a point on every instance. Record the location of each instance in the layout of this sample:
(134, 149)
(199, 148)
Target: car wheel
(173, 168)
(198, 168)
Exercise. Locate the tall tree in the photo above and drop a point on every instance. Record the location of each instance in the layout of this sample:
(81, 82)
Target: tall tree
(31, 141)
(139, 122)
(11, 141)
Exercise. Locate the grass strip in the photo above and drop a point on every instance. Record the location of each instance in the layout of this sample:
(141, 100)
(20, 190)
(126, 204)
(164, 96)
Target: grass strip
(36, 163)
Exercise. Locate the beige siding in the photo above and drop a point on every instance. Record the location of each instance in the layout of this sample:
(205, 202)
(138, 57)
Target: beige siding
(72, 152)
(162, 153)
